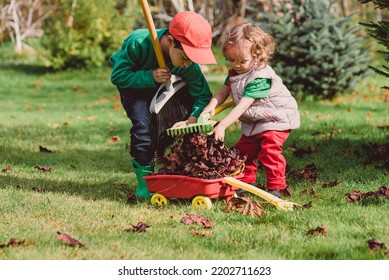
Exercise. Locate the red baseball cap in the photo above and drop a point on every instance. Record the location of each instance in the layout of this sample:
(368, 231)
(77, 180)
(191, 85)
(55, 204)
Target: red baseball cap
(194, 33)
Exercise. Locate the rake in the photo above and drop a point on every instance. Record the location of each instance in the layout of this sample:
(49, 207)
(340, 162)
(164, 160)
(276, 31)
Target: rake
(203, 124)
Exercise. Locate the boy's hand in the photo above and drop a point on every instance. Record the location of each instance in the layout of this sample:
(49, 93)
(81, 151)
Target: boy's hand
(210, 110)
(161, 75)
(178, 124)
(190, 120)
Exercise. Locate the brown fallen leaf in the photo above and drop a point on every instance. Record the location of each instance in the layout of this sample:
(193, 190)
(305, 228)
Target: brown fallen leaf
(358, 195)
(331, 184)
(13, 243)
(189, 219)
(307, 205)
(207, 223)
(202, 232)
(114, 139)
(131, 198)
(383, 127)
(44, 150)
(68, 239)
(300, 152)
(375, 245)
(317, 231)
(377, 154)
(139, 227)
(8, 168)
(245, 205)
(40, 190)
(42, 168)
(308, 173)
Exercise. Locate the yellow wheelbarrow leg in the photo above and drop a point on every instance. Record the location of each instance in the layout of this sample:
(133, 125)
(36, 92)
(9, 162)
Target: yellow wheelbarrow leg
(276, 201)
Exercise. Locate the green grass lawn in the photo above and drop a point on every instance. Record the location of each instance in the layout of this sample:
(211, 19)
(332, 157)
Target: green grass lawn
(74, 114)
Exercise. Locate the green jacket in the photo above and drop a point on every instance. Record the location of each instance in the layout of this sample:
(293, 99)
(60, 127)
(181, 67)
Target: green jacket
(133, 65)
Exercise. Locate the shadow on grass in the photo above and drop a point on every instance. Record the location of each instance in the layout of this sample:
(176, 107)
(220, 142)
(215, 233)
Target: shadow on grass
(29, 69)
(88, 191)
(330, 158)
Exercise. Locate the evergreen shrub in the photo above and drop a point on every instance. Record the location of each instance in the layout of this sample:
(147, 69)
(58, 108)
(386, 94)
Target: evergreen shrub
(380, 31)
(318, 53)
(82, 34)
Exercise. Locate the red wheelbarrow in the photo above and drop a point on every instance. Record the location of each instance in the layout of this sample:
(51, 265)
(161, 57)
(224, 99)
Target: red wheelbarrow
(200, 191)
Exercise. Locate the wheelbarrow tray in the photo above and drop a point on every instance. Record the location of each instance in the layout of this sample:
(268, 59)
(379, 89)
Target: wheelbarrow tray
(179, 186)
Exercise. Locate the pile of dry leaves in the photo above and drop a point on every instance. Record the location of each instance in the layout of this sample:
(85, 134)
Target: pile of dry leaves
(201, 156)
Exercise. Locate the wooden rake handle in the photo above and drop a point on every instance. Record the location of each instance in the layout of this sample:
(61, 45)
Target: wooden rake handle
(153, 34)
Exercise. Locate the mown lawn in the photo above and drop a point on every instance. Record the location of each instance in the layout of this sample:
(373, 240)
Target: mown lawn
(78, 118)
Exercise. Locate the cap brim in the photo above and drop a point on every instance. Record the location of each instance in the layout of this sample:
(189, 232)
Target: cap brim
(199, 56)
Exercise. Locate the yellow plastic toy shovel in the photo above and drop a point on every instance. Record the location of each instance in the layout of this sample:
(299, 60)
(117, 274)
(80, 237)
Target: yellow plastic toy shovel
(276, 201)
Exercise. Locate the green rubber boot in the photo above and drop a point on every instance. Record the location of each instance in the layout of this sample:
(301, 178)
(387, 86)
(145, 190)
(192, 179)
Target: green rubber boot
(140, 171)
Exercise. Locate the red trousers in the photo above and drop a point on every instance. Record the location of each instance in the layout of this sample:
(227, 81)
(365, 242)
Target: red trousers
(267, 149)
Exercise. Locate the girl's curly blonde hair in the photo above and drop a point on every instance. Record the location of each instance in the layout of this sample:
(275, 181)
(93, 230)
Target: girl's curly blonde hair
(262, 43)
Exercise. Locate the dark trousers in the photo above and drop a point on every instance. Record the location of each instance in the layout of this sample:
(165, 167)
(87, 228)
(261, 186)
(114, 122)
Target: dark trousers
(148, 131)
(136, 103)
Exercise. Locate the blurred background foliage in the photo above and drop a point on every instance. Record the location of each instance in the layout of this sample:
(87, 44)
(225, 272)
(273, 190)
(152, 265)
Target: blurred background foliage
(322, 49)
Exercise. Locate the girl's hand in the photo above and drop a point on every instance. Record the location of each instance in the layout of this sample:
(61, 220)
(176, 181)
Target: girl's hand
(161, 75)
(219, 132)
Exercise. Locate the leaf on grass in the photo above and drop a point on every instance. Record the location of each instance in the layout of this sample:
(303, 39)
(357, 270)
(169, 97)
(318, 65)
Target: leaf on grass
(202, 232)
(68, 239)
(13, 243)
(207, 223)
(377, 154)
(300, 152)
(383, 127)
(131, 198)
(375, 245)
(186, 220)
(139, 227)
(114, 139)
(245, 205)
(40, 190)
(307, 205)
(189, 219)
(331, 184)
(43, 168)
(311, 192)
(308, 173)
(44, 150)
(358, 195)
(317, 231)
(8, 168)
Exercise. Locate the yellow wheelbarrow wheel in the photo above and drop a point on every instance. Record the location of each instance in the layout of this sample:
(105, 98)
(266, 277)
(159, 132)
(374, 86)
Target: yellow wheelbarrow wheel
(202, 202)
(159, 200)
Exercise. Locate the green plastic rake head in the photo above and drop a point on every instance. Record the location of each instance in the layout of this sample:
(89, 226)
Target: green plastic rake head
(203, 125)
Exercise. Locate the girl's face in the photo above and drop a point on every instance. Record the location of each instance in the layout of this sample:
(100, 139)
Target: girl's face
(241, 61)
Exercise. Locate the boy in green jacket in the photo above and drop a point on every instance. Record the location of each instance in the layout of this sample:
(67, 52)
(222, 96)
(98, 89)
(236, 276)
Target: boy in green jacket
(137, 76)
